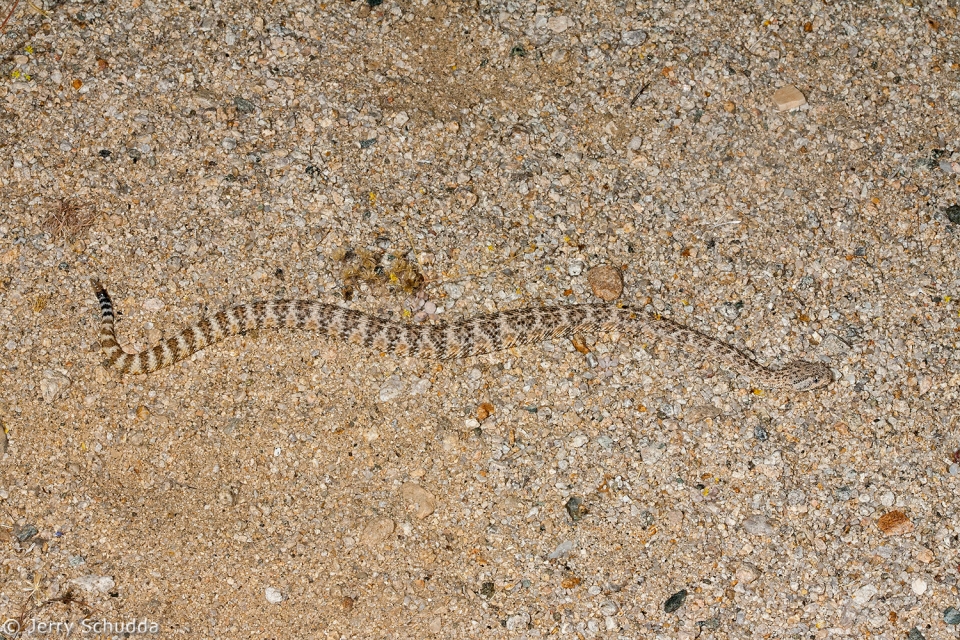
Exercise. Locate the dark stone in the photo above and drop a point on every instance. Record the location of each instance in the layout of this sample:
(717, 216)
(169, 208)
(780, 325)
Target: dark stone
(953, 213)
(366, 144)
(486, 589)
(675, 601)
(575, 508)
(25, 532)
(243, 105)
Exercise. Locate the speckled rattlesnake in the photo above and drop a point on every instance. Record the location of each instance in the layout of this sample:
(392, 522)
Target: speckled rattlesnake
(443, 341)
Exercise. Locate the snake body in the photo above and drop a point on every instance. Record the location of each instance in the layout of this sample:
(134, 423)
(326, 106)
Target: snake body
(443, 340)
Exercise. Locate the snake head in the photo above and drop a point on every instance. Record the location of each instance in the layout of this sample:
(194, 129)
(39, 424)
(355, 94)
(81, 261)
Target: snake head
(807, 376)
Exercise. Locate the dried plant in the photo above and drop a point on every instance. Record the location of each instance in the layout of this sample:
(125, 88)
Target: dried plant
(69, 219)
(375, 268)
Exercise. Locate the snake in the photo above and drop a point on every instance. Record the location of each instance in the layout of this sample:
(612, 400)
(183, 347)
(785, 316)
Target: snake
(441, 340)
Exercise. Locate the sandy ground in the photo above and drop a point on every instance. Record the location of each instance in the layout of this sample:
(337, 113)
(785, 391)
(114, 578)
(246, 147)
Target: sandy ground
(277, 485)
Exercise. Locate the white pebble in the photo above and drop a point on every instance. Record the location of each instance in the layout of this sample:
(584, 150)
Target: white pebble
(153, 304)
(391, 389)
(863, 594)
(273, 595)
(919, 586)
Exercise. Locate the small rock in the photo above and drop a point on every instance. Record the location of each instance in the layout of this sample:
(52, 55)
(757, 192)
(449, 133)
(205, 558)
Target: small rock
(919, 586)
(834, 346)
(391, 389)
(592, 361)
(887, 499)
(273, 595)
(153, 304)
(895, 523)
(579, 343)
(401, 119)
(25, 532)
(376, 531)
(575, 508)
(486, 589)
(635, 143)
(575, 268)
(951, 615)
(518, 622)
(570, 582)
(633, 38)
(455, 291)
(429, 307)
(419, 499)
(954, 469)
(559, 24)
(244, 106)
(788, 98)
(484, 411)
(747, 573)
(229, 143)
(757, 526)
(578, 441)
(606, 282)
(675, 601)
(925, 555)
(953, 213)
(914, 634)
(53, 385)
(419, 386)
(95, 584)
(863, 595)
(562, 549)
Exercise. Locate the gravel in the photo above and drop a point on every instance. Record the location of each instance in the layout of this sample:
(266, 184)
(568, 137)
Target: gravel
(507, 149)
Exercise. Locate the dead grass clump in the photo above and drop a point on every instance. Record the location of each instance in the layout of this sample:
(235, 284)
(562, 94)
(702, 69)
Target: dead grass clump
(377, 269)
(69, 219)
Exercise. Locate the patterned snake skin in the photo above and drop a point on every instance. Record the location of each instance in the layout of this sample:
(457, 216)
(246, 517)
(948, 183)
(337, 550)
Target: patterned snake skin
(443, 341)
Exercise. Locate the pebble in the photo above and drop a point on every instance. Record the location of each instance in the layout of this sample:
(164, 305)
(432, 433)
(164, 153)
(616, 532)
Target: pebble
(592, 361)
(575, 508)
(954, 469)
(377, 530)
(272, 595)
(895, 523)
(419, 386)
(951, 615)
(391, 389)
(606, 282)
(487, 589)
(518, 622)
(919, 586)
(633, 38)
(863, 595)
(53, 385)
(757, 526)
(953, 213)
(914, 634)
(429, 307)
(609, 608)
(153, 304)
(25, 532)
(484, 411)
(575, 268)
(675, 601)
(95, 584)
(747, 573)
(788, 98)
(421, 501)
(562, 549)
(578, 441)
(559, 24)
